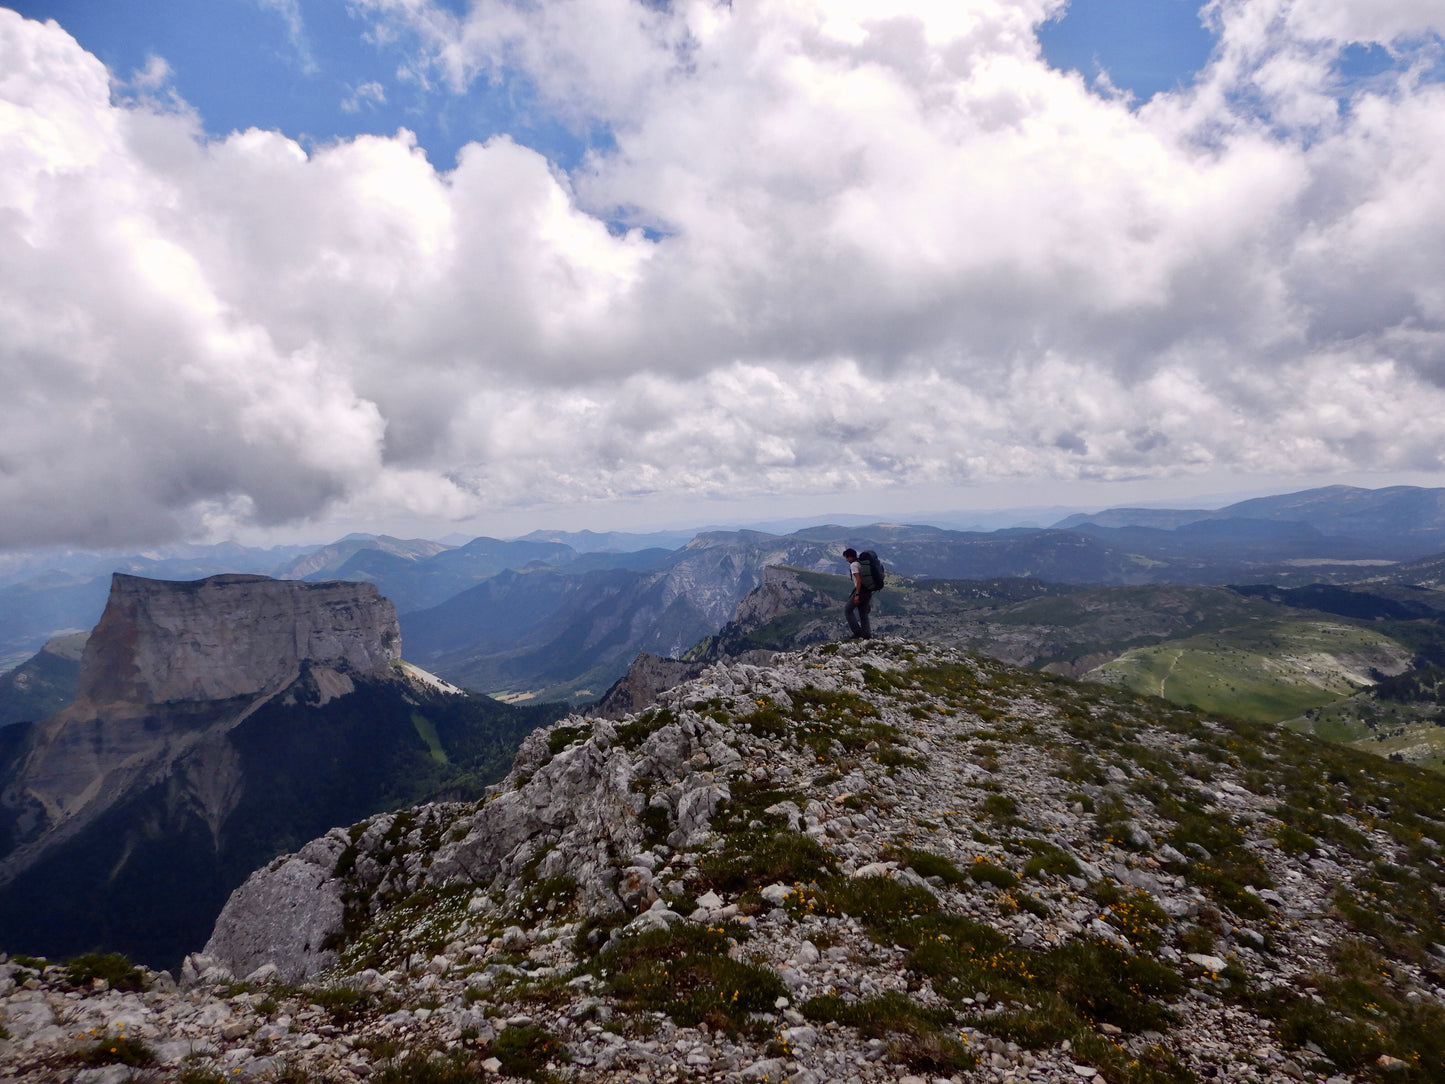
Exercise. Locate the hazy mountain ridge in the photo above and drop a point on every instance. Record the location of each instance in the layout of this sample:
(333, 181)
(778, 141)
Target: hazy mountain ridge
(859, 862)
(1294, 539)
(45, 683)
(1408, 521)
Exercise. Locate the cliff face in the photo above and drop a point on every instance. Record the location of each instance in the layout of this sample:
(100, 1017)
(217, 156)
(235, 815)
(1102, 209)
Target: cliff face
(215, 723)
(228, 636)
(168, 671)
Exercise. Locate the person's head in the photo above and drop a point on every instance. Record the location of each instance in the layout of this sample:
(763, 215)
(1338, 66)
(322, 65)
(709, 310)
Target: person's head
(850, 555)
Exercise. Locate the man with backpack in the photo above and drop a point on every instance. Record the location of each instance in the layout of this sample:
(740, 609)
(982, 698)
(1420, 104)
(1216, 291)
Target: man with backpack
(867, 573)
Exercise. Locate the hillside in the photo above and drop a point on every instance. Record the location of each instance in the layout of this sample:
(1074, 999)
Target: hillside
(1269, 671)
(881, 862)
(43, 684)
(1362, 663)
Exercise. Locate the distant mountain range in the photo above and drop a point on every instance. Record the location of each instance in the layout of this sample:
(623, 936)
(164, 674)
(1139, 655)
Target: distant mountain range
(550, 616)
(1402, 521)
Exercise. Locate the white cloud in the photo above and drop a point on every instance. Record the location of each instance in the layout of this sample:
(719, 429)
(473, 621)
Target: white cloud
(155, 75)
(894, 248)
(367, 95)
(290, 12)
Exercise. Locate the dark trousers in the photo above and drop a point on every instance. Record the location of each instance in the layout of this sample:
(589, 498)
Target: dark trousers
(856, 613)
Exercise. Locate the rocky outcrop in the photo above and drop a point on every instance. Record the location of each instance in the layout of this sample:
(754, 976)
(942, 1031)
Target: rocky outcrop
(865, 863)
(781, 592)
(190, 696)
(648, 676)
(287, 916)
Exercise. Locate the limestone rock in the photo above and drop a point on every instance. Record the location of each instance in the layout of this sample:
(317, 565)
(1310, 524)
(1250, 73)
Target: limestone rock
(285, 916)
(171, 667)
(229, 636)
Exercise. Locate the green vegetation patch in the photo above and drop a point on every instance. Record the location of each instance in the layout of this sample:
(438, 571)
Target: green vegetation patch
(426, 730)
(1049, 995)
(429, 1067)
(1084, 983)
(748, 803)
(117, 1049)
(423, 922)
(563, 736)
(1363, 1011)
(1219, 862)
(526, 1051)
(345, 1004)
(1047, 860)
(631, 735)
(1264, 671)
(755, 859)
(982, 871)
(114, 967)
(916, 1036)
(1134, 913)
(687, 972)
(928, 864)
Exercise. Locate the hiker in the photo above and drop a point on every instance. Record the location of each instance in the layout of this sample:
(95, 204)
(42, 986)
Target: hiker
(860, 601)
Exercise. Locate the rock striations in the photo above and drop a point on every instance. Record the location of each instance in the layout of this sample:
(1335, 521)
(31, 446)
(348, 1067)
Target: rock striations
(861, 863)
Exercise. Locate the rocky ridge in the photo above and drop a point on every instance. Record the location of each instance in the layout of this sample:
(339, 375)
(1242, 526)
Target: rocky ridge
(860, 863)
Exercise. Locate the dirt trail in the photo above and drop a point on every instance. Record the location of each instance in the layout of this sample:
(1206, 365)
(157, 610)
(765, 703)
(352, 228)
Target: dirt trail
(1170, 672)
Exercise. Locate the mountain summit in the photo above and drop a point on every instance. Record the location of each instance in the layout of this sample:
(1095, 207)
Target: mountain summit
(229, 636)
(860, 863)
(170, 666)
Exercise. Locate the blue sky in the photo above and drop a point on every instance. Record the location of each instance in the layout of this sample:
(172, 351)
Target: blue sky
(302, 67)
(653, 264)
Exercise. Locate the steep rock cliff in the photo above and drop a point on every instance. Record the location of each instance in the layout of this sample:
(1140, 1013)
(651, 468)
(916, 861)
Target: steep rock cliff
(216, 723)
(228, 636)
(171, 666)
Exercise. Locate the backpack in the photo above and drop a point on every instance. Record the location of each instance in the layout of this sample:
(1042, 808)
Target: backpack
(870, 571)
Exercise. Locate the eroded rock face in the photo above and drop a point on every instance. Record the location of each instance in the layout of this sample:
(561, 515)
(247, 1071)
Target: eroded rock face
(168, 671)
(648, 676)
(285, 914)
(161, 641)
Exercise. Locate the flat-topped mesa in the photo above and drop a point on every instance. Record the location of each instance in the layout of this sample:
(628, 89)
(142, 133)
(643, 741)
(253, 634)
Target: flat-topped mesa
(161, 641)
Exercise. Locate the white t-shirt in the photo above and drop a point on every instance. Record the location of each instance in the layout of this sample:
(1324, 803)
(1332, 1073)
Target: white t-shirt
(854, 570)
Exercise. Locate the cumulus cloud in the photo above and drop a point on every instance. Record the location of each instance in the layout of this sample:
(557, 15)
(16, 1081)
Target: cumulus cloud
(833, 245)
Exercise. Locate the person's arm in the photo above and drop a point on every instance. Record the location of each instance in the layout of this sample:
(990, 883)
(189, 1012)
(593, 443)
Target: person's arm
(858, 586)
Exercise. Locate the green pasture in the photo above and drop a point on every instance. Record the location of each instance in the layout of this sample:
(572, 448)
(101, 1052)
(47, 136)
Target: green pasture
(1267, 671)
